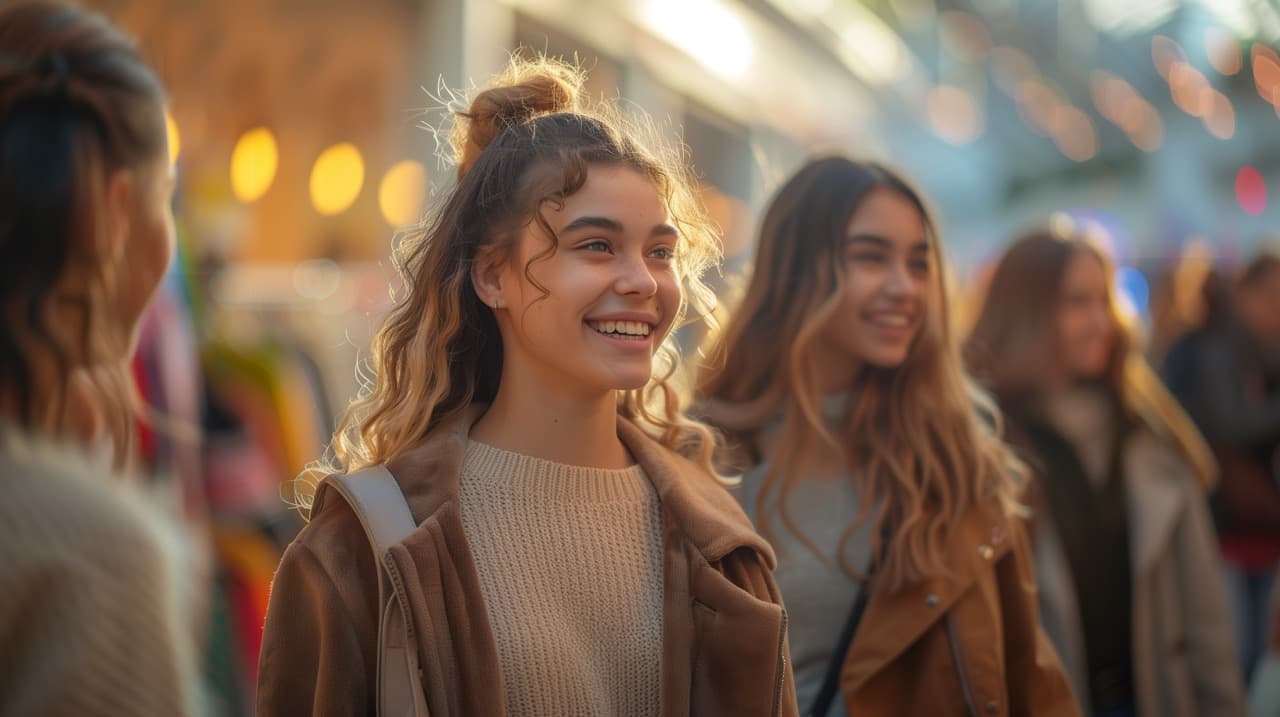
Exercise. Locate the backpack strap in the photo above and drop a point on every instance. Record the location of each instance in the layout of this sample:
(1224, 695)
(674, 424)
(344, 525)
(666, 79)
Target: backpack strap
(377, 501)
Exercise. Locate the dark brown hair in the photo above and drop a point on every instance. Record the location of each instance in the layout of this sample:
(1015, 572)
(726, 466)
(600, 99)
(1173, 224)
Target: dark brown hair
(76, 104)
(1259, 269)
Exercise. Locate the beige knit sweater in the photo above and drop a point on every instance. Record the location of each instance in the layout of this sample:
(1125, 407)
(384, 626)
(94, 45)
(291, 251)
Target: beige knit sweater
(90, 617)
(570, 566)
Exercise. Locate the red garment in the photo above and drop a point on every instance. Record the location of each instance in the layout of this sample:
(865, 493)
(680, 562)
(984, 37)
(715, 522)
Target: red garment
(1248, 552)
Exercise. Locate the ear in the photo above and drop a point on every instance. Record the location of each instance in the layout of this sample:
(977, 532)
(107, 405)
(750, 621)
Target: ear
(118, 200)
(486, 278)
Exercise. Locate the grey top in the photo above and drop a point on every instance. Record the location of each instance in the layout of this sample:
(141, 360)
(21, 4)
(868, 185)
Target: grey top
(817, 593)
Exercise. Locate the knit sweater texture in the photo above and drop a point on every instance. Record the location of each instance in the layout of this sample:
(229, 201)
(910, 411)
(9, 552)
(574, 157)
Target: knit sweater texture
(91, 616)
(569, 561)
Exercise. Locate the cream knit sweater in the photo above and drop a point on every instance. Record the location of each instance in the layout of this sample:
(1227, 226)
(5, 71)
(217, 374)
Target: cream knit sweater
(570, 565)
(92, 607)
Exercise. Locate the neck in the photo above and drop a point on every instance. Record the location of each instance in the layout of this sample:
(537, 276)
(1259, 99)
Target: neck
(539, 418)
(61, 407)
(833, 370)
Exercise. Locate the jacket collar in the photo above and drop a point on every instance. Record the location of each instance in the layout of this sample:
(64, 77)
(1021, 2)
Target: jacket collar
(691, 498)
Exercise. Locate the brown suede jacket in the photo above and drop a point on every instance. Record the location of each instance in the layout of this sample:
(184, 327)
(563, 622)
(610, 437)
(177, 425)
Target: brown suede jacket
(967, 643)
(724, 629)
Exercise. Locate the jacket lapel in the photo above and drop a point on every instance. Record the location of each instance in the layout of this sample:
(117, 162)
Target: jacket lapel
(699, 507)
(894, 621)
(1155, 500)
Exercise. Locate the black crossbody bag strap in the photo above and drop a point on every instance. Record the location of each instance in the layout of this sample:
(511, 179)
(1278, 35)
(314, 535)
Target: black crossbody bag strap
(830, 682)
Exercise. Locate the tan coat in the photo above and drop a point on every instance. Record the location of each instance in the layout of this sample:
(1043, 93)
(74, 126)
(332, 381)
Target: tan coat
(963, 644)
(1184, 661)
(724, 629)
(94, 592)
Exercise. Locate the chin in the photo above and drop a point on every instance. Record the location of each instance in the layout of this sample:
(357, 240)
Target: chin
(630, 383)
(615, 378)
(888, 359)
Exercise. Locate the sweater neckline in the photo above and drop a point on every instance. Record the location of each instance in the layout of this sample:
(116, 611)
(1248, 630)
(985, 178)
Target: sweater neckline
(525, 475)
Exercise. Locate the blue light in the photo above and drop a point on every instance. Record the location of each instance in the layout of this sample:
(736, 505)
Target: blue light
(1133, 286)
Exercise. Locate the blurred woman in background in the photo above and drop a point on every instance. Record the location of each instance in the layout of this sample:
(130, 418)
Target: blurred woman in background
(90, 607)
(1226, 373)
(839, 386)
(1129, 586)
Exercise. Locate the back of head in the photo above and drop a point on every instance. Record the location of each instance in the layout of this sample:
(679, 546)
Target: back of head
(76, 105)
(1263, 266)
(525, 142)
(1257, 295)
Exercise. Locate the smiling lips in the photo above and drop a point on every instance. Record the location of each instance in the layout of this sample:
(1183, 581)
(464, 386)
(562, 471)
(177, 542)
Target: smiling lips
(891, 320)
(627, 330)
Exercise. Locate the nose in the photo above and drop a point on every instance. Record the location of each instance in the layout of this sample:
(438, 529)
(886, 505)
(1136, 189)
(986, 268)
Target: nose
(635, 278)
(902, 282)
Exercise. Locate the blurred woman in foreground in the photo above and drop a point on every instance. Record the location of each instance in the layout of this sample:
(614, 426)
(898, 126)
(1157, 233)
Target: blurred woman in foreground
(90, 616)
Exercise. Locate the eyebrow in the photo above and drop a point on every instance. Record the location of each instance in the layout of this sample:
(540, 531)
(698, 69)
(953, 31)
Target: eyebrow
(883, 243)
(614, 225)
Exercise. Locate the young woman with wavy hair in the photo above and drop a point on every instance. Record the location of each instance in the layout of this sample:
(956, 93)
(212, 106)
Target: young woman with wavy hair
(92, 601)
(866, 454)
(1129, 586)
(575, 553)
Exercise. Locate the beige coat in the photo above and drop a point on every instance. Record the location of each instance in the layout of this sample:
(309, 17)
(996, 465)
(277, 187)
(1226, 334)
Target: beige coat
(94, 607)
(1184, 661)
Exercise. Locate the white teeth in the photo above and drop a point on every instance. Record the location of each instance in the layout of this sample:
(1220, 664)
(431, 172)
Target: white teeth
(894, 320)
(626, 328)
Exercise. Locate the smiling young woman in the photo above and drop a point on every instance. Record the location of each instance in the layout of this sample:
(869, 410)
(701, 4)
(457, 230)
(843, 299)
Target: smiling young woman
(863, 453)
(574, 552)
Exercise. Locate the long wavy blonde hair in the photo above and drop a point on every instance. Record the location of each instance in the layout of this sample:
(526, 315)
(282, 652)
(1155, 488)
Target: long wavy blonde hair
(527, 139)
(1014, 340)
(920, 438)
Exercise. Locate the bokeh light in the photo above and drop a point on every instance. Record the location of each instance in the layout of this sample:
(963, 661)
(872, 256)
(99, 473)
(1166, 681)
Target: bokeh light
(253, 164)
(1251, 191)
(336, 179)
(953, 114)
(1223, 50)
(402, 191)
(173, 137)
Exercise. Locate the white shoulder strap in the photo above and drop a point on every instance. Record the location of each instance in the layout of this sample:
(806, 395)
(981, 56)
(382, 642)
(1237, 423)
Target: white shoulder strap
(378, 503)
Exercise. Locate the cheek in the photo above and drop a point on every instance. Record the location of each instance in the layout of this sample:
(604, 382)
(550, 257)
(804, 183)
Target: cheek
(1071, 329)
(670, 293)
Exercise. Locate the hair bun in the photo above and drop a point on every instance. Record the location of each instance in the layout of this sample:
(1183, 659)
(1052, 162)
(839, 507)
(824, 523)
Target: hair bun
(526, 90)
